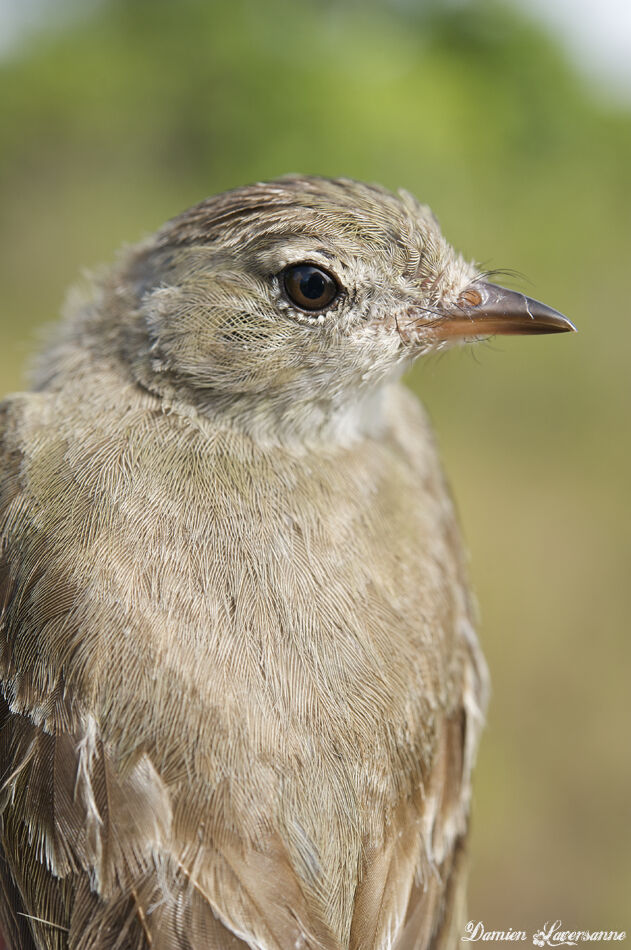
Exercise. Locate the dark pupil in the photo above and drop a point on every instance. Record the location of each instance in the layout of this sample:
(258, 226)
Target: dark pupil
(312, 286)
(309, 286)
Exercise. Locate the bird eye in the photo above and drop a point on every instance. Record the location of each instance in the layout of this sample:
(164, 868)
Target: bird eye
(309, 287)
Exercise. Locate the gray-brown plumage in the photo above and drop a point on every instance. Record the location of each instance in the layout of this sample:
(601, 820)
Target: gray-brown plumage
(242, 689)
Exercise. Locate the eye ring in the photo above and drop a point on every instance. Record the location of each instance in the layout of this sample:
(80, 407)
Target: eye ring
(309, 286)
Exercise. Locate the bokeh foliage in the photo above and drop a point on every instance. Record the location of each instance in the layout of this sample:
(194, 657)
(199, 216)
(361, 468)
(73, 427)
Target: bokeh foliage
(125, 117)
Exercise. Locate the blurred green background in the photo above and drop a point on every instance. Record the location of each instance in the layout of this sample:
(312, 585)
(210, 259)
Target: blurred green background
(116, 118)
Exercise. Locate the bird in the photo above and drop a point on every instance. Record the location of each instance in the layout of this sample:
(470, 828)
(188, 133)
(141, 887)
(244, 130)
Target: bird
(241, 688)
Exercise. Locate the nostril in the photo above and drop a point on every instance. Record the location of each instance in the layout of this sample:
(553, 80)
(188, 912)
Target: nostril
(471, 296)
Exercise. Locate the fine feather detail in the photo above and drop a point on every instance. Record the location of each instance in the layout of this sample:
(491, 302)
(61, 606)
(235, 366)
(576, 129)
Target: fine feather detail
(116, 870)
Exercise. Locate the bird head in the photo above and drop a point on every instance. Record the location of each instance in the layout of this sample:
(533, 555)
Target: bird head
(297, 299)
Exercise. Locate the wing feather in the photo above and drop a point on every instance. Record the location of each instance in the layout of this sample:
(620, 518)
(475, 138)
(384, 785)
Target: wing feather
(412, 887)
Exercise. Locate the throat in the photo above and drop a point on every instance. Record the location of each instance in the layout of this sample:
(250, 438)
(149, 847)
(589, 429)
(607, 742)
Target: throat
(289, 421)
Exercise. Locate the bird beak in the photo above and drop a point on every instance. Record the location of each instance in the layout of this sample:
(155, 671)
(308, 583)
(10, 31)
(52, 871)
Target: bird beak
(484, 309)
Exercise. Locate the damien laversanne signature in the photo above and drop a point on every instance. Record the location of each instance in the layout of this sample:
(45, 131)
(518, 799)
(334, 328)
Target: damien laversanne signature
(552, 934)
